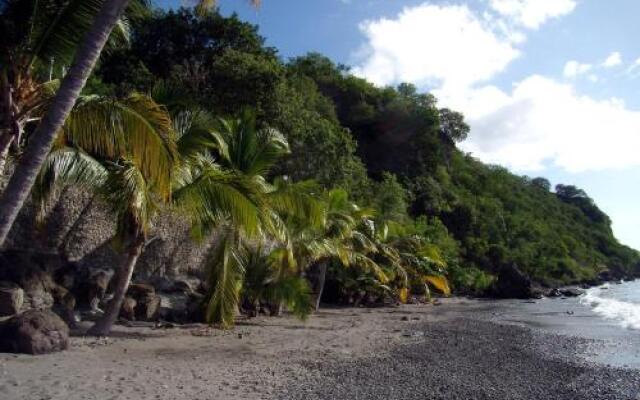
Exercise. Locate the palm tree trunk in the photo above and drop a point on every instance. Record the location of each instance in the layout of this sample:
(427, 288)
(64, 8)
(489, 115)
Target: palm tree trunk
(6, 134)
(317, 276)
(123, 279)
(5, 144)
(40, 144)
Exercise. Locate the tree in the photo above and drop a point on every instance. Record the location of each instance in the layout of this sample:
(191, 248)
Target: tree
(123, 150)
(241, 147)
(131, 154)
(541, 183)
(453, 126)
(26, 172)
(85, 58)
(37, 41)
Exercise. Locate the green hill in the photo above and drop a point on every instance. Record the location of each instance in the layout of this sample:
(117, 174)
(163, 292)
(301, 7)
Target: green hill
(393, 148)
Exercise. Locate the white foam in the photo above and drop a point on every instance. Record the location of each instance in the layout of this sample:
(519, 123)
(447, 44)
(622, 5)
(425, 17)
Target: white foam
(625, 313)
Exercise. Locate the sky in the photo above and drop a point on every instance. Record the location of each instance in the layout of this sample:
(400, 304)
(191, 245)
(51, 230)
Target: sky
(549, 87)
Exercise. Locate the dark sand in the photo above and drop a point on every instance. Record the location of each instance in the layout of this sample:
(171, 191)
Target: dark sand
(459, 350)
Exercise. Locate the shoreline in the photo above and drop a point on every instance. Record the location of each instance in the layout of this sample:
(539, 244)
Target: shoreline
(460, 349)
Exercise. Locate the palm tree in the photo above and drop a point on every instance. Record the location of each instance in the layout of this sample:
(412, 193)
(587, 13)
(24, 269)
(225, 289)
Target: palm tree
(138, 160)
(240, 147)
(36, 39)
(409, 259)
(85, 58)
(125, 151)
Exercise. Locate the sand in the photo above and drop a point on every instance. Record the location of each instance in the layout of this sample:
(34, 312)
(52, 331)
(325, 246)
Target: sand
(337, 353)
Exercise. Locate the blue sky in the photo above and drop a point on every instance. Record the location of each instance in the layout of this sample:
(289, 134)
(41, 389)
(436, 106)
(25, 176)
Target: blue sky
(550, 87)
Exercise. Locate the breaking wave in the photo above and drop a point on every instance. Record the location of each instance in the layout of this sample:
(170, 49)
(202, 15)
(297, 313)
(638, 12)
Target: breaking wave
(619, 303)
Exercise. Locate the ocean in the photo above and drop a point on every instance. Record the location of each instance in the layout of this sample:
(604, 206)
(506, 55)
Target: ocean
(609, 316)
(618, 303)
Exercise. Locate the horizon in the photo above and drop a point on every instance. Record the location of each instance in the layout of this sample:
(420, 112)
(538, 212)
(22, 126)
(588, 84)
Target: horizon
(539, 88)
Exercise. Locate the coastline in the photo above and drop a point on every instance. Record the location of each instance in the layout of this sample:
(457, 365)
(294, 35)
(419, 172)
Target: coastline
(466, 349)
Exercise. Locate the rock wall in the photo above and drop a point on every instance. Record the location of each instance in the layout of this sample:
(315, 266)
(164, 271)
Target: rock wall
(78, 227)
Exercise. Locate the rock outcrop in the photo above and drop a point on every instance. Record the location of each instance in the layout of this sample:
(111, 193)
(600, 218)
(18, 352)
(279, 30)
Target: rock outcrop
(34, 332)
(11, 298)
(513, 284)
(143, 304)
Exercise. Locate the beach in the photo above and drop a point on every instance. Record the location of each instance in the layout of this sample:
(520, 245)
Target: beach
(461, 349)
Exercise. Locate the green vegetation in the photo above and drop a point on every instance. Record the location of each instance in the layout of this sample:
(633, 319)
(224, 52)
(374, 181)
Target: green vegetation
(317, 183)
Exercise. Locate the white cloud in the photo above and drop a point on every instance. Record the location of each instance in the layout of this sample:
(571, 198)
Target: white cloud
(573, 69)
(632, 70)
(540, 121)
(532, 13)
(613, 60)
(433, 45)
(546, 122)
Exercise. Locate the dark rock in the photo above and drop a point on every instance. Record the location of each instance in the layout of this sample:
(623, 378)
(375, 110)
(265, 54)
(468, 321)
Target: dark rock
(571, 292)
(128, 309)
(139, 290)
(147, 301)
(34, 332)
(174, 307)
(11, 298)
(37, 300)
(513, 284)
(97, 288)
(148, 308)
(554, 293)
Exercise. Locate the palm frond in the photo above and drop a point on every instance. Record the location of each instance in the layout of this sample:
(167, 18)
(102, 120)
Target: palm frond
(294, 292)
(440, 283)
(66, 166)
(131, 199)
(245, 148)
(61, 27)
(208, 195)
(225, 271)
(135, 128)
(298, 200)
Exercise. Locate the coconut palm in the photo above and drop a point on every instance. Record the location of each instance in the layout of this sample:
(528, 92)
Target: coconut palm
(125, 151)
(240, 147)
(409, 260)
(342, 241)
(98, 18)
(129, 152)
(37, 41)
(86, 55)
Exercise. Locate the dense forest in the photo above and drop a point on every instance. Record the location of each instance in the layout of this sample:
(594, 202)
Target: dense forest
(391, 148)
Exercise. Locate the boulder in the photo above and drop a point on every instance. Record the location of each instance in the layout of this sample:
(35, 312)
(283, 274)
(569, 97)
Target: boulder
(11, 298)
(175, 307)
(34, 332)
(128, 309)
(148, 308)
(513, 284)
(97, 288)
(147, 302)
(554, 293)
(571, 292)
(139, 290)
(37, 300)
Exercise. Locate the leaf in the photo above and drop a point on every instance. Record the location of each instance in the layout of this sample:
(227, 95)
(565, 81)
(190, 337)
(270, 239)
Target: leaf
(403, 295)
(440, 283)
(225, 272)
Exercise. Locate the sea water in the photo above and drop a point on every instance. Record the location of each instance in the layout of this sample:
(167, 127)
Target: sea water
(618, 303)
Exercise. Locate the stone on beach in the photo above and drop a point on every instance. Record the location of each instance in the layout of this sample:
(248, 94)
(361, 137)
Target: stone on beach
(11, 298)
(34, 332)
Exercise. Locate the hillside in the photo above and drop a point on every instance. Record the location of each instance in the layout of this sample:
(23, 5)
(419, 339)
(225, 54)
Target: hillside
(392, 148)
